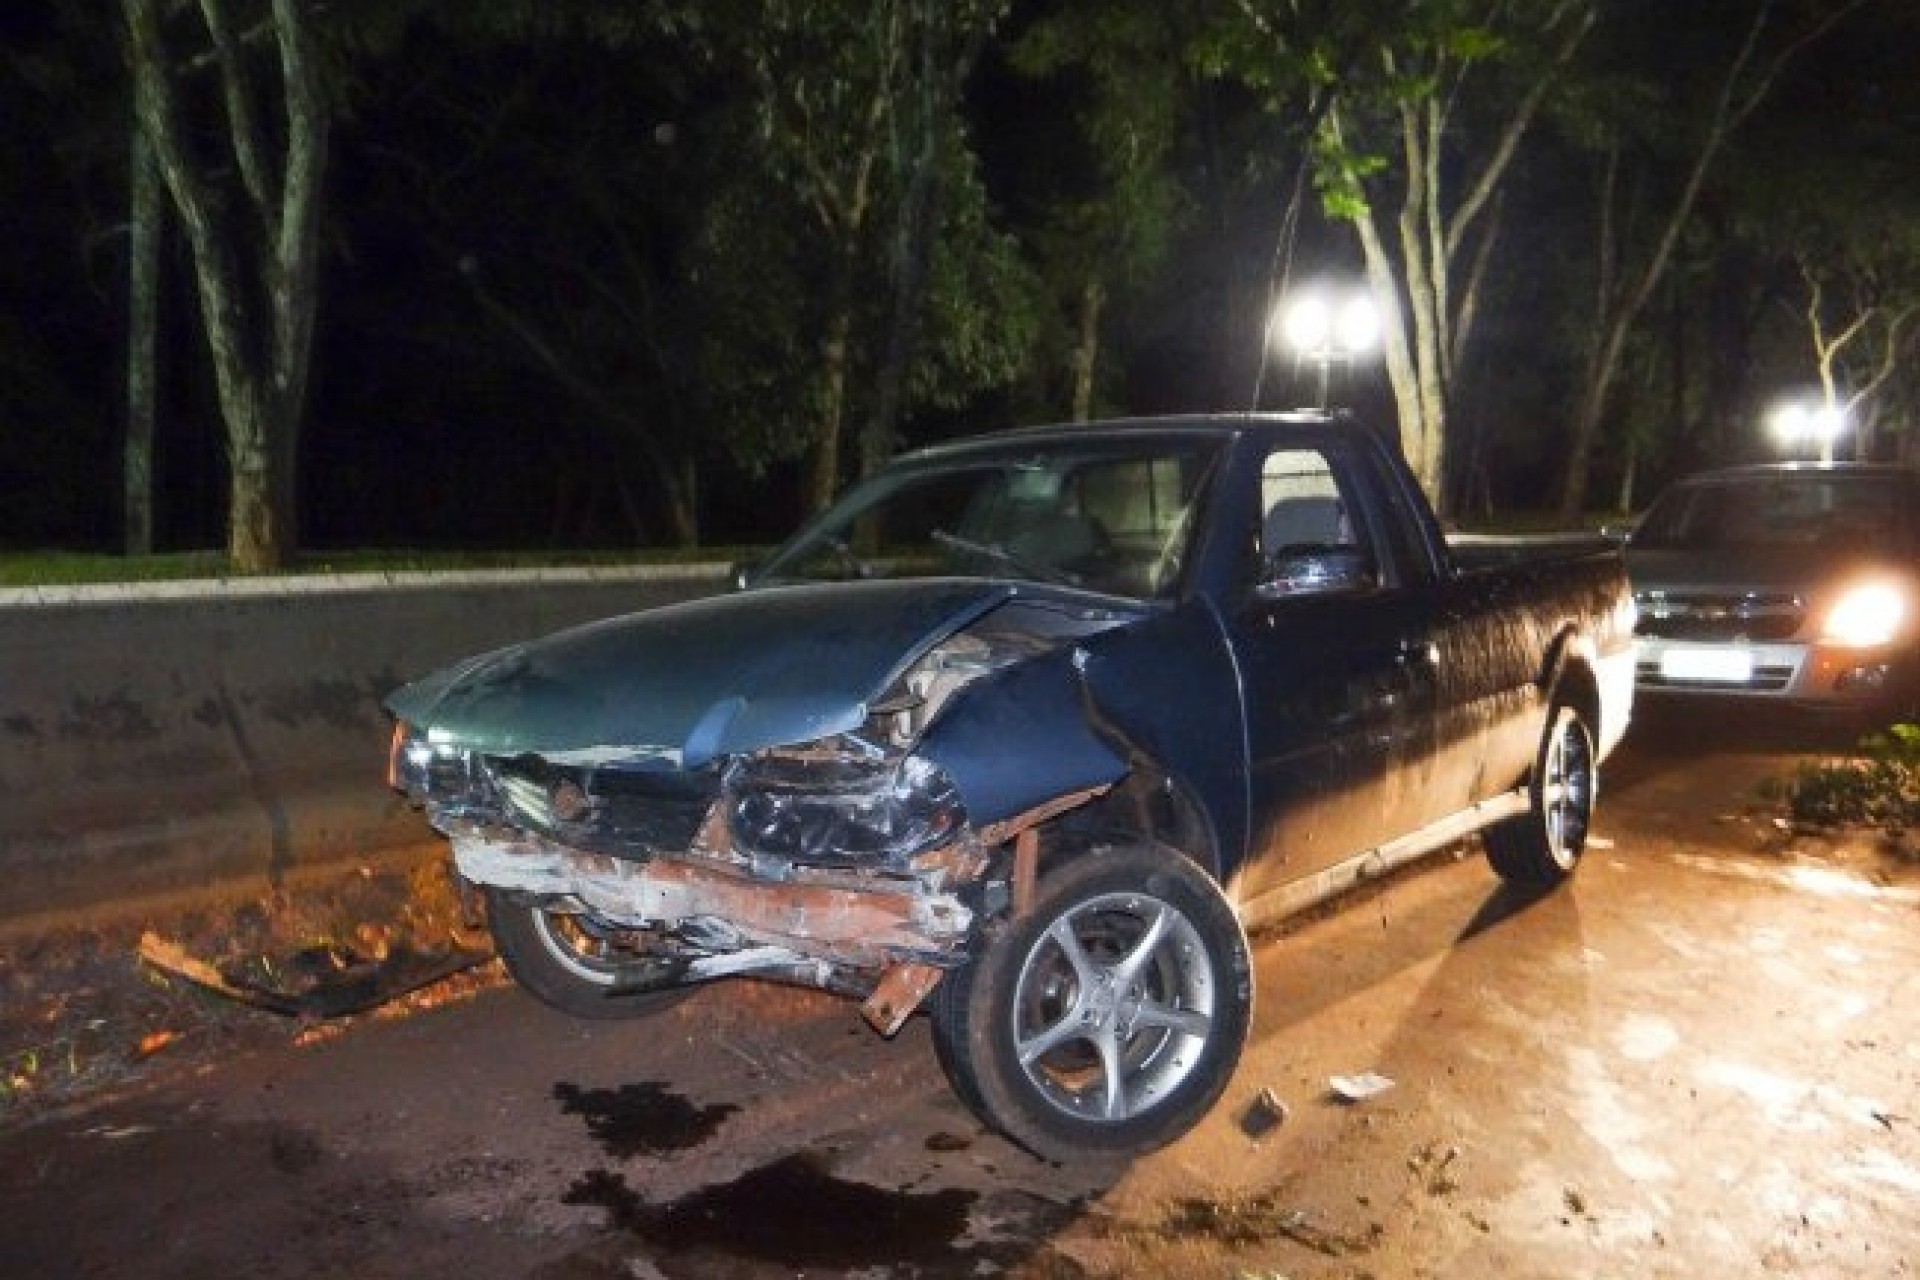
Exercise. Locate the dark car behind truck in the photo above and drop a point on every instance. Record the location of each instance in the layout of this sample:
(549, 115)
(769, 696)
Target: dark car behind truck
(1023, 732)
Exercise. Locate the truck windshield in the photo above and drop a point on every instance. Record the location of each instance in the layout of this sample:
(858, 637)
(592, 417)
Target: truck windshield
(1106, 516)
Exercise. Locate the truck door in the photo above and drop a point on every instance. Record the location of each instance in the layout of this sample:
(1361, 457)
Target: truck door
(1337, 669)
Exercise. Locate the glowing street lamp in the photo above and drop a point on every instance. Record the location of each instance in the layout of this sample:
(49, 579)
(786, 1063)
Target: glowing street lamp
(1326, 329)
(1797, 425)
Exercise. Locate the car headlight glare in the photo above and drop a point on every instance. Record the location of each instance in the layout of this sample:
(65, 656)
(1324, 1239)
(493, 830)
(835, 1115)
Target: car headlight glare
(1865, 616)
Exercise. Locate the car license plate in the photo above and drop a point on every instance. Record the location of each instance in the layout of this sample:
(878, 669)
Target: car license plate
(1724, 666)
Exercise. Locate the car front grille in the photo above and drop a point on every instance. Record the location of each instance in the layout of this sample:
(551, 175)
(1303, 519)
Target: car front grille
(1765, 679)
(1688, 615)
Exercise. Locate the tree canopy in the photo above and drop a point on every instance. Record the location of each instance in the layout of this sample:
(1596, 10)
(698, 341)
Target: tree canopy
(568, 273)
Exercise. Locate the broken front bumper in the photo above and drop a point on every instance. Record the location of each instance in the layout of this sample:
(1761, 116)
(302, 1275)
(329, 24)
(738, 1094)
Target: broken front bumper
(847, 919)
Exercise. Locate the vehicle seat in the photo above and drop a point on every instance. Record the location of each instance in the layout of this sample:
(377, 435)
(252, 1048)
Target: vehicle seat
(1304, 522)
(1060, 539)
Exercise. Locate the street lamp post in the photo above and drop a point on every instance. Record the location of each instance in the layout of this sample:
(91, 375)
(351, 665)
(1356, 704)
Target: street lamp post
(1324, 329)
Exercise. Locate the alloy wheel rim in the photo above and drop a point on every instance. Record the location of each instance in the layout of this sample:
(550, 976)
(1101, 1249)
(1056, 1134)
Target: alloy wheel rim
(576, 945)
(1114, 1007)
(1567, 801)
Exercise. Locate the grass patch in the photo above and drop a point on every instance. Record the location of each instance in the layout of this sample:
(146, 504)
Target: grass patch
(1879, 787)
(77, 568)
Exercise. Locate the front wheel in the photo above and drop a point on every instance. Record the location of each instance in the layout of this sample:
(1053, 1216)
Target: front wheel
(574, 962)
(1540, 848)
(1108, 1019)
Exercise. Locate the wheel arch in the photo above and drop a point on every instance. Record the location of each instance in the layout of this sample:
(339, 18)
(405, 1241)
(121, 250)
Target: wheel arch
(1149, 802)
(1570, 678)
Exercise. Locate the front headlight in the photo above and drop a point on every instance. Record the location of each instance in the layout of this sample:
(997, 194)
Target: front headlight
(839, 802)
(420, 761)
(1865, 616)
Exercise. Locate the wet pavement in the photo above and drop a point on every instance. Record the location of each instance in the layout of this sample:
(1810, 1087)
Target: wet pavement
(1701, 1060)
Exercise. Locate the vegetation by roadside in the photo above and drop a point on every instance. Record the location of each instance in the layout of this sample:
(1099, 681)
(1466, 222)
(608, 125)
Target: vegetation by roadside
(1876, 787)
(72, 568)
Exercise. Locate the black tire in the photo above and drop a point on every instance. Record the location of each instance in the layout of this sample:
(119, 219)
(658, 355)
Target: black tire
(571, 961)
(1541, 847)
(1072, 990)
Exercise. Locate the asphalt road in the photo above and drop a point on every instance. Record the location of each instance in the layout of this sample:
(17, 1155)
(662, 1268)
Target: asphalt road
(1702, 1059)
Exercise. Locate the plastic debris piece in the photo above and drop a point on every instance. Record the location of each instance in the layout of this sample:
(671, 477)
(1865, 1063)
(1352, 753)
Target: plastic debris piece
(1599, 842)
(154, 1042)
(328, 984)
(1358, 1088)
(1264, 1114)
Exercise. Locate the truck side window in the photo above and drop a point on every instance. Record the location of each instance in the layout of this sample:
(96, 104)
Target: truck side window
(1308, 540)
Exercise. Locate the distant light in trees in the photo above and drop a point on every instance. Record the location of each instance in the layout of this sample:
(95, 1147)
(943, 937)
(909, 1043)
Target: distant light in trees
(1328, 328)
(1797, 425)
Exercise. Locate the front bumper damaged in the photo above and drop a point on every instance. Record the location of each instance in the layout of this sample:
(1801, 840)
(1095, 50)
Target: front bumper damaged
(883, 938)
(850, 919)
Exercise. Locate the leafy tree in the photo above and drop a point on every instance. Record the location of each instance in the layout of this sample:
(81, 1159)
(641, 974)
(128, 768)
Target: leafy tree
(1843, 226)
(1415, 115)
(1429, 262)
(854, 103)
(578, 290)
(60, 190)
(1632, 255)
(1105, 220)
(243, 152)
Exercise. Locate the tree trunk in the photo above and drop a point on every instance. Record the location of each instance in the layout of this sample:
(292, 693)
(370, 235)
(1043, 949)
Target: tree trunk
(255, 238)
(144, 214)
(917, 223)
(1086, 351)
(824, 474)
(1424, 329)
(254, 539)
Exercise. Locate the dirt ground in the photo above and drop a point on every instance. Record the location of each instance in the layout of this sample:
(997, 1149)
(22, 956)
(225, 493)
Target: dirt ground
(82, 1013)
(1702, 1059)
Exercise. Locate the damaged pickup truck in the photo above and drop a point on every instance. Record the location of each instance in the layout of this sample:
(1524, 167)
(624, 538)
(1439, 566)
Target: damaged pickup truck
(1024, 732)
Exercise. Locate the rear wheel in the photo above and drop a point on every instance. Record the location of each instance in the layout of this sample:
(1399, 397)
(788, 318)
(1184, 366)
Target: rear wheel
(575, 962)
(1540, 848)
(1108, 1019)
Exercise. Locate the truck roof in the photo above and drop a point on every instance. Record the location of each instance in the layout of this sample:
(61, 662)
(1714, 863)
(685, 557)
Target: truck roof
(1193, 424)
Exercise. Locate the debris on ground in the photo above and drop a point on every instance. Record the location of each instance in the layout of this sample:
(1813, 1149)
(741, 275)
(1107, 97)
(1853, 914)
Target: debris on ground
(84, 1010)
(1264, 1114)
(1360, 1087)
(1437, 1168)
(1242, 1221)
(323, 981)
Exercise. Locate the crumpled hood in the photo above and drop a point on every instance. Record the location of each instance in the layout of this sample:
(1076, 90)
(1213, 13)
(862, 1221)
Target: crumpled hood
(683, 684)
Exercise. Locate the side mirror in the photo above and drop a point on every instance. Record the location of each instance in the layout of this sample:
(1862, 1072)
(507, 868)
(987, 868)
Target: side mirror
(1316, 570)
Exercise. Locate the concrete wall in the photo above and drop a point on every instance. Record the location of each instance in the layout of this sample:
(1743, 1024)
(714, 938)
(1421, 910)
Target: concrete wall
(184, 736)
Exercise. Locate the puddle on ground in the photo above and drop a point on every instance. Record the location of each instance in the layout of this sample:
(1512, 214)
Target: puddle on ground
(793, 1213)
(641, 1119)
(794, 1216)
